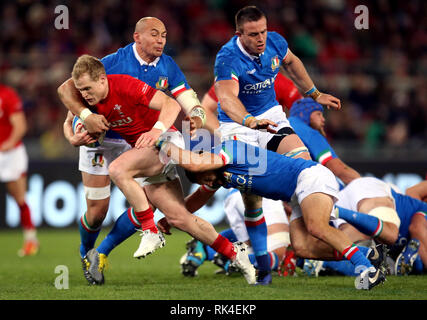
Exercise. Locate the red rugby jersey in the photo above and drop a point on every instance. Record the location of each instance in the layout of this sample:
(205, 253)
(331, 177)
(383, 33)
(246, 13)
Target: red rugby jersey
(286, 92)
(126, 107)
(10, 103)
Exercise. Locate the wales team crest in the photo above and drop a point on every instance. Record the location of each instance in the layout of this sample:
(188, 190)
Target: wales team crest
(275, 63)
(162, 84)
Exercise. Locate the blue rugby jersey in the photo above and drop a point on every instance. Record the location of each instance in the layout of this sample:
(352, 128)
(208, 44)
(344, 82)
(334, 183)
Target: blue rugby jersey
(256, 83)
(255, 170)
(162, 74)
(317, 145)
(406, 207)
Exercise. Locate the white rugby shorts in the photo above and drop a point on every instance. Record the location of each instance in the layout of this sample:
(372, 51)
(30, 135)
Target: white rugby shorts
(236, 131)
(13, 164)
(362, 188)
(316, 179)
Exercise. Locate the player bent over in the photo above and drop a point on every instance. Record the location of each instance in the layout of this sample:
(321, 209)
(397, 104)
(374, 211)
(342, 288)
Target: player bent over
(311, 188)
(132, 120)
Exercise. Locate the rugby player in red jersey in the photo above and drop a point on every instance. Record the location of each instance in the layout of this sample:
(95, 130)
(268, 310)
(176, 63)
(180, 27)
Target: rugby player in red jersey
(127, 104)
(14, 162)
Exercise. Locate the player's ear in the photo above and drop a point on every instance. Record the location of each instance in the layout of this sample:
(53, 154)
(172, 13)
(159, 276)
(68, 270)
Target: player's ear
(136, 36)
(238, 33)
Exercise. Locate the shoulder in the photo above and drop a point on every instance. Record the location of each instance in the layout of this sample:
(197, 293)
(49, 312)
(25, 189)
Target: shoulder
(228, 51)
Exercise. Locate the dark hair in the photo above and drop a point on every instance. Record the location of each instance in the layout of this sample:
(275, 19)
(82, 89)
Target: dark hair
(247, 14)
(191, 176)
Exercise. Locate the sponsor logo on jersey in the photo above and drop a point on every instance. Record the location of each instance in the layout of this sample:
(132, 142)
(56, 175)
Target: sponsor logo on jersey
(121, 122)
(254, 88)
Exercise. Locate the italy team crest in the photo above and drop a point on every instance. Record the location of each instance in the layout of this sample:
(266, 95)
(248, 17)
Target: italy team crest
(98, 160)
(275, 63)
(162, 84)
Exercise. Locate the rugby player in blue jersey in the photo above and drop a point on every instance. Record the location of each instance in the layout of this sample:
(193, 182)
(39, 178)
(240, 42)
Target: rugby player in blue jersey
(310, 188)
(245, 71)
(143, 59)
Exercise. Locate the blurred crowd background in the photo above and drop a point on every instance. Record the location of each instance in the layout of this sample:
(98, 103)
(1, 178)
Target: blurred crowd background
(378, 73)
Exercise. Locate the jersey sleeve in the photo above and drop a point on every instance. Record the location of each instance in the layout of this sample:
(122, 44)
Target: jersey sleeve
(13, 102)
(226, 68)
(280, 43)
(177, 81)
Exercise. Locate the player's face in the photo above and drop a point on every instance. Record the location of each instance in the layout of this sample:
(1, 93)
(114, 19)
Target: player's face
(253, 36)
(209, 178)
(92, 91)
(317, 121)
(151, 39)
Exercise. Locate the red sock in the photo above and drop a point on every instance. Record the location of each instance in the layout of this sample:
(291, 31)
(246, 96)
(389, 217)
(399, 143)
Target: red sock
(25, 213)
(146, 218)
(224, 246)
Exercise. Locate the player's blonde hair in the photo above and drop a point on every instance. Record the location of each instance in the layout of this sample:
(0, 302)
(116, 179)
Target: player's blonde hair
(88, 64)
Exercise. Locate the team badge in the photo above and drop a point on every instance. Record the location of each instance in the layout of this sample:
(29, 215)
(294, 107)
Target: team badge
(275, 63)
(162, 84)
(98, 160)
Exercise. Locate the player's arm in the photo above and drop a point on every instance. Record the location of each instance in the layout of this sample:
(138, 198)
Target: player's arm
(189, 160)
(227, 92)
(19, 128)
(73, 101)
(418, 191)
(80, 137)
(296, 71)
(341, 170)
(169, 110)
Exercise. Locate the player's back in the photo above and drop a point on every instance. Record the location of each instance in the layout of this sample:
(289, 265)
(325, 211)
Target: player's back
(260, 171)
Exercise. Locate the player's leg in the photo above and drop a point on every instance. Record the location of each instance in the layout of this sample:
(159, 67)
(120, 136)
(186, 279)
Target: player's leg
(168, 197)
(17, 189)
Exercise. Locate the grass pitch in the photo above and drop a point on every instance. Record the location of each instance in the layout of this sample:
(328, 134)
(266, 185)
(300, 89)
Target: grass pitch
(158, 276)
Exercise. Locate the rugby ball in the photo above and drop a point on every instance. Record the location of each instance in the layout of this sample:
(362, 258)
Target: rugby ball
(77, 123)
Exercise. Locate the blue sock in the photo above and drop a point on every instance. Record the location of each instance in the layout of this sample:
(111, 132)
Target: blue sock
(346, 267)
(369, 225)
(357, 257)
(418, 267)
(227, 233)
(123, 228)
(257, 231)
(88, 235)
(274, 260)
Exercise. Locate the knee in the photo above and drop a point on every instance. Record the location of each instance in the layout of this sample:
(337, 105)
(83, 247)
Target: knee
(316, 229)
(116, 172)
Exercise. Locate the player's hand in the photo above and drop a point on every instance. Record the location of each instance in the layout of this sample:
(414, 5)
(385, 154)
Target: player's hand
(164, 226)
(263, 124)
(329, 101)
(148, 139)
(82, 137)
(96, 124)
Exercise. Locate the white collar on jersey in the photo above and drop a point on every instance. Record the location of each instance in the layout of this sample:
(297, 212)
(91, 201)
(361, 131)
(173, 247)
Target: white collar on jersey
(142, 62)
(239, 44)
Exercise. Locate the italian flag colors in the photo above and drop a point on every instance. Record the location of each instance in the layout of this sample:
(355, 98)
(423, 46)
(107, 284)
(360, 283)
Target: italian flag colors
(254, 218)
(225, 156)
(350, 251)
(324, 157)
(234, 76)
(178, 89)
(132, 217)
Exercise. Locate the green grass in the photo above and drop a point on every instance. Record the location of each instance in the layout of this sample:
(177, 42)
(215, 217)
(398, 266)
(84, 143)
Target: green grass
(158, 276)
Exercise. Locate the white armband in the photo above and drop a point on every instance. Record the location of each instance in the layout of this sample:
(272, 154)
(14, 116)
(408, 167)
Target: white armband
(199, 112)
(188, 100)
(159, 125)
(84, 114)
